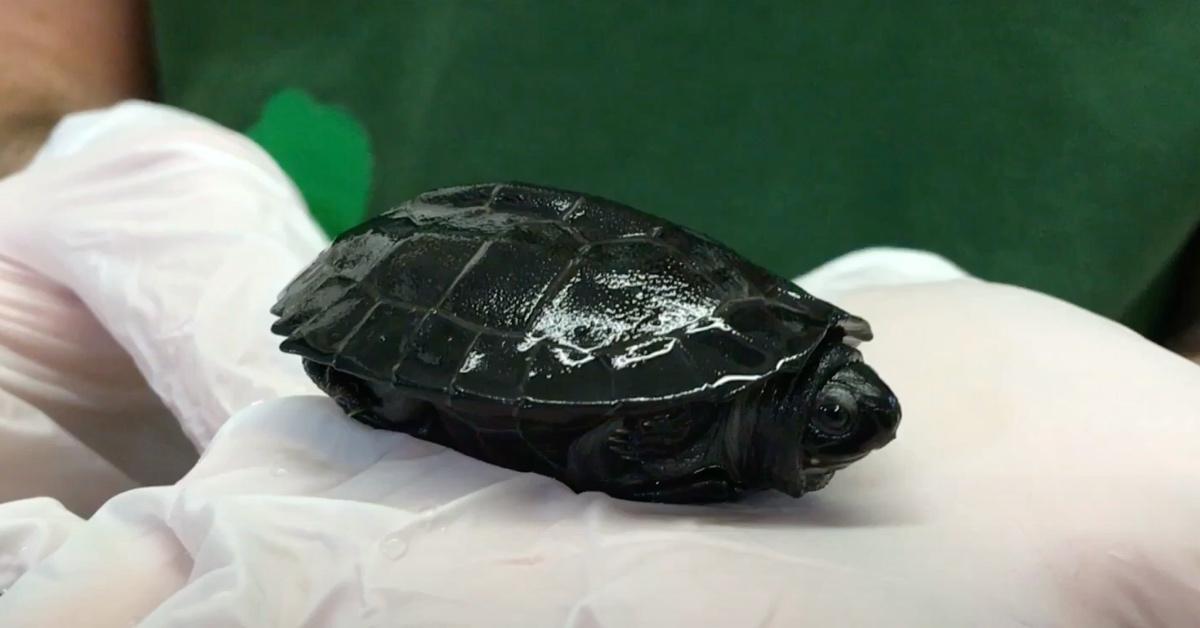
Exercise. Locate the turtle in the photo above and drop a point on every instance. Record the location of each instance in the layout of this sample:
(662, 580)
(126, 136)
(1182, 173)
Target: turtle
(569, 335)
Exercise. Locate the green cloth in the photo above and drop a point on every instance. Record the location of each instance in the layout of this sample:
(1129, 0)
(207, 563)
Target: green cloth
(324, 150)
(1054, 145)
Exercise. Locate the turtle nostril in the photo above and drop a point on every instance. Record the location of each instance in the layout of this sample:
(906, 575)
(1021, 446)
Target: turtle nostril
(887, 423)
(889, 416)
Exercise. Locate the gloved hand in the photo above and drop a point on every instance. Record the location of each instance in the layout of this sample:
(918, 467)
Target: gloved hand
(1046, 472)
(139, 254)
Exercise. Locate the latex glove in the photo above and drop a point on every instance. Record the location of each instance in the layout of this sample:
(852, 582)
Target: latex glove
(1047, 473)
(876, 267)
(77, 421)
(141, 242)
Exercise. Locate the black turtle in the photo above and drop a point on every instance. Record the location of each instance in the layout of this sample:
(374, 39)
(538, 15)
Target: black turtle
(550, 331)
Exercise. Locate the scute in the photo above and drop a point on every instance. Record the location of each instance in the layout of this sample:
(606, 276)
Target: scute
(588, 376)
(546, 303)
(622, 293)
(725, 353)
(492, 368)
(464, 196)
(595, 220)
(525, 199)
(657, 367)
(434, 354)
(420, 268)
(324, 331)
(372, 346)
(502, 288)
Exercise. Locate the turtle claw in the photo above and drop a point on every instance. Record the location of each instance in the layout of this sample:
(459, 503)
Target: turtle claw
(621, 442)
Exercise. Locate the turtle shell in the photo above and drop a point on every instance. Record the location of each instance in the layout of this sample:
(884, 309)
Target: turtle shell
(519, 299)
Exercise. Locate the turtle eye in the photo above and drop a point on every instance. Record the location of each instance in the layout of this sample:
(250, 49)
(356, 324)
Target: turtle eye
(835, 414)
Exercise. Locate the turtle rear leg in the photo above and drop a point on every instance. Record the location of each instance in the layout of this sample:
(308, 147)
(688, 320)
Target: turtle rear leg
(363, 403)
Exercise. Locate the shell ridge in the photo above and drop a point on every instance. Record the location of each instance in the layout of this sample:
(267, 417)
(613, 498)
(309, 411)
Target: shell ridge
(453, 318)
(471, 263)
(453, 385)
(526, 373)
(570, 229)
(612, 378)
(492, 197)
(406, 348)
(575, 205)
(341, 345)
(564, 274)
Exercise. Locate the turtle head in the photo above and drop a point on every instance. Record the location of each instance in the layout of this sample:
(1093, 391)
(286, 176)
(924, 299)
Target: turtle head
(836, 413)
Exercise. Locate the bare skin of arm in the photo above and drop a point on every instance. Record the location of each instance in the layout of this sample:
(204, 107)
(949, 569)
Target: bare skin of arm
(60, 56)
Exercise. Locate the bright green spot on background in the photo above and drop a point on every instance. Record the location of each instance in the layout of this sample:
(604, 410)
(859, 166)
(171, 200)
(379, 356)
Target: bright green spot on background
(324, 150)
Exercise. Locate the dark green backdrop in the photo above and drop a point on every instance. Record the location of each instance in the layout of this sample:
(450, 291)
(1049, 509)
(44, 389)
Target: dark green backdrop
(1054, 145)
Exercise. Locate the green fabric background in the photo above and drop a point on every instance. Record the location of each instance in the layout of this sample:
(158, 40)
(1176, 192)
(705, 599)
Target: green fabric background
(324, 150)
(1051, 145)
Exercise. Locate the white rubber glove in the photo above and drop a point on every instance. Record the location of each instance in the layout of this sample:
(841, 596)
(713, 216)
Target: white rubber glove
(141, 240)
(1047, 474)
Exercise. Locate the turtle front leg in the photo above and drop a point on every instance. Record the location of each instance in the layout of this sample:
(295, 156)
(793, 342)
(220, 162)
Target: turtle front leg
(659, 459)
(704, 486)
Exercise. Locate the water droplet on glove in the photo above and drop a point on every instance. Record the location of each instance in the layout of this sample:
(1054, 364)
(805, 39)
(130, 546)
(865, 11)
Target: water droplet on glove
(393, 546)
